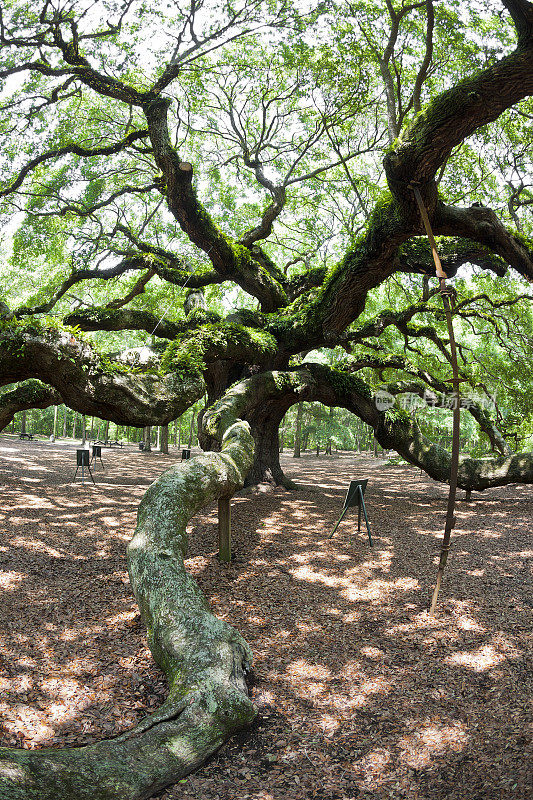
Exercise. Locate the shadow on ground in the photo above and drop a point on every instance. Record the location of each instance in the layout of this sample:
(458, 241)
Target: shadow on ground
(360, 692)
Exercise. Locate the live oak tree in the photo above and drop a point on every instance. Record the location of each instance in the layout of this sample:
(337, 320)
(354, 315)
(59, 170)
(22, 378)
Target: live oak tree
(262, 155)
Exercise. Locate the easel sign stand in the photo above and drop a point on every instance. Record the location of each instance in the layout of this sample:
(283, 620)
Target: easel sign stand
(355, 497)
(82, 460)
(97, 453)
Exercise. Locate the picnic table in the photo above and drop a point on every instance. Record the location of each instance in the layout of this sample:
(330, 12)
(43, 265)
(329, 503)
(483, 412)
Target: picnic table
(25, 435)
(108, 442)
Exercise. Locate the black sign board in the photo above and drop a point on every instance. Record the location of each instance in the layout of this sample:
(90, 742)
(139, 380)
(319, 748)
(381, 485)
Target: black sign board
(355, 497)
(185, 455)
(83, 460)
(97, 453)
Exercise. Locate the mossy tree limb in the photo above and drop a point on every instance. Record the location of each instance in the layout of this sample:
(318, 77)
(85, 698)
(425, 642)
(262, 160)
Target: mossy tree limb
(482, 417)
(31, 394)
(89, 384)
(204, 658)
(230, 259)
(456, 113)
(393, 429)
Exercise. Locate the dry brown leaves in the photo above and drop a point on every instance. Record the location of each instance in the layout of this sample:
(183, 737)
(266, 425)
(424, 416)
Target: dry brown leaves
(360, 693)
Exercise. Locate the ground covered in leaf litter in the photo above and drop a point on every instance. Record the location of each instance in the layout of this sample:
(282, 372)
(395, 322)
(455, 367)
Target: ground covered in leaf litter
(360, 693)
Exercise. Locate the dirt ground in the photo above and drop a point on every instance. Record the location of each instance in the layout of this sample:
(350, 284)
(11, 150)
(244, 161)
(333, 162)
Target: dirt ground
(360, 693)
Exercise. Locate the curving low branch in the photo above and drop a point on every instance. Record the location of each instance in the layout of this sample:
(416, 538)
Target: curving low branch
(32, 394)
(204, 659)
(497, 441)
(89, 384)
(271, 394)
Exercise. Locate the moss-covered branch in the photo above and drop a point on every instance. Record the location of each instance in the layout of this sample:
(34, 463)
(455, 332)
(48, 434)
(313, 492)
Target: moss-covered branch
(231, 260)
(482, 225)
(455, 114)
(393, 429)
(90, 383)
(480, 414)
(126, 319)
(32, 394)
(204, 659)
(415, 256)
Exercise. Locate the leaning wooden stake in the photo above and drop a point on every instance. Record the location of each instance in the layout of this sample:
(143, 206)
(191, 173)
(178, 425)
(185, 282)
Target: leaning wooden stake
(447, 300)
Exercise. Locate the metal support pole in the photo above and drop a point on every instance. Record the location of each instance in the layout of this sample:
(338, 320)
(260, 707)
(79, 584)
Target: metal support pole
(338, 521)
(362, 503)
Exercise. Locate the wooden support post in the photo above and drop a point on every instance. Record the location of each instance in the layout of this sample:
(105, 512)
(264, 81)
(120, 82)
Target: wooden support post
(224, 529)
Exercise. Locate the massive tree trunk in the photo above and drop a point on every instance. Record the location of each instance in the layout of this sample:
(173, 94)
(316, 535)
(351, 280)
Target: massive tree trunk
(264, 419)
(266, 467)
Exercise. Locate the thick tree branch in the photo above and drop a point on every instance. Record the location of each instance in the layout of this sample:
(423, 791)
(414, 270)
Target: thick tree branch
(89, 384)
(497, 441)
(231, 260)
(521, 12)
(415, 256)
(127, 319)
(393, 429)
(482, 225)
(426, 61)
(77, 276)
(139, 288)
(456, 113)
(32, 394)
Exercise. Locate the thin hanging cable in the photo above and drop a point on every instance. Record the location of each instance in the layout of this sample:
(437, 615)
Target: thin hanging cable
(447, 301)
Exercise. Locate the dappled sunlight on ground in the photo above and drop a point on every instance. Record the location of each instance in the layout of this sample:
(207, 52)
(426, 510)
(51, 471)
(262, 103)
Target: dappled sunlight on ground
(74, 665)
(360, 692)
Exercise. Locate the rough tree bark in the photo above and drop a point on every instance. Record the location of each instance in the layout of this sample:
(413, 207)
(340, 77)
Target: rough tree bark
(204, 659)
(32, 394)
